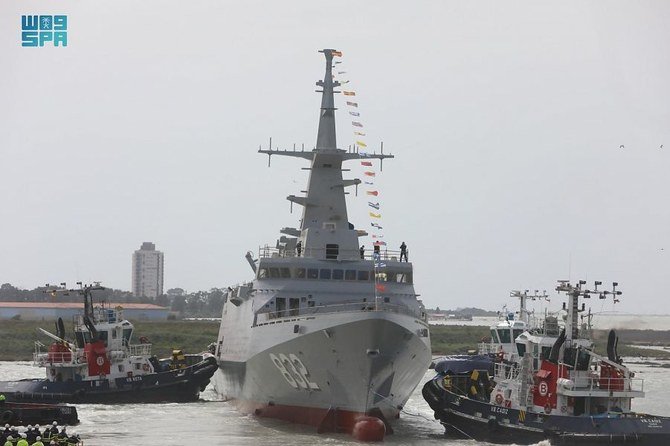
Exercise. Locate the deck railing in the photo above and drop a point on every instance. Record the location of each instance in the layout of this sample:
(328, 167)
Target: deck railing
(139, 350)
(342, 254)
(264, 318)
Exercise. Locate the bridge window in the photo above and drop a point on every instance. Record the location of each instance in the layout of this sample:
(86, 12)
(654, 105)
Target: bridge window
(517, 332)
(300, 273)
(338, 274)
(350, 274)
(294, 306)
(364, 275)
(324, 274)
(285, 273)
(332, 250)
(280, 306)
(312, 273)
(274, 273)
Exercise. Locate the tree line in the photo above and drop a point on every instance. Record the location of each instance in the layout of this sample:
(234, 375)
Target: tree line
(185, 304)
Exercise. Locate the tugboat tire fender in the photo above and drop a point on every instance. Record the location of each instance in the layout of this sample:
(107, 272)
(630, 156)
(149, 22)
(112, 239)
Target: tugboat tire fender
(7, 416)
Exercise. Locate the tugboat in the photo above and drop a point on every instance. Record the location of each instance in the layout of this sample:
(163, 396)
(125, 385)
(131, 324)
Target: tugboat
(101, 365)
(502, 344)
(325, 334)
(570, 395)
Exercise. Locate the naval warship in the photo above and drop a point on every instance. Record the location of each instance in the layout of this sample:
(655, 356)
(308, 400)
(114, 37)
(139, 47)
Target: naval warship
(311, 338)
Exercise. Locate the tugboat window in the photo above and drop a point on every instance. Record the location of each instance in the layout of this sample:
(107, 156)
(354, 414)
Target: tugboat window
(517, 332)
(350, 274)
(324, 274)
(312, 273)
(494, 337)
(127, 333)
(338, 274)
(285, 273)
(504, 336)
(521, 348)
(300, 273)
(274, 273)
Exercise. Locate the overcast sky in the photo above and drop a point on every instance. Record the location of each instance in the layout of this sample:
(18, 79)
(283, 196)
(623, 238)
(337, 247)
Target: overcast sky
(506, 120)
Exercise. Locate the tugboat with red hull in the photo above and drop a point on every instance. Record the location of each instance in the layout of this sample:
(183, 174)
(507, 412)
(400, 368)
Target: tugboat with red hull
(573, 396)
(101, 365)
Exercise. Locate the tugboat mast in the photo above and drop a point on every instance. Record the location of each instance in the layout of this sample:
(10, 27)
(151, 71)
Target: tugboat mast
(576, 291)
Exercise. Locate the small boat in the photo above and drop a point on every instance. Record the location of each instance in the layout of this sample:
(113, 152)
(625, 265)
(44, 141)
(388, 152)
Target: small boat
(568, 395)
(24, 414)
(102, 365)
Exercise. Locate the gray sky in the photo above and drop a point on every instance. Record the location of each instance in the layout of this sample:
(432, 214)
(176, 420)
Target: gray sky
(505, 118)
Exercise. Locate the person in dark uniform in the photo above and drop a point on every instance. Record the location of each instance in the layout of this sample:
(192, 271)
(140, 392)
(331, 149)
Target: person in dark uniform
(403, 251)
(362, 251)
(298, 248)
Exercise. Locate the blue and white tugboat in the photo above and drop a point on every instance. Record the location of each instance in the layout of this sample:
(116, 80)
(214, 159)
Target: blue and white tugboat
(101, 365)
(570, 395)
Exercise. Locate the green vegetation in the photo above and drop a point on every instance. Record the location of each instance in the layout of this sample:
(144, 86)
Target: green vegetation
(456, 339)
(17, 338)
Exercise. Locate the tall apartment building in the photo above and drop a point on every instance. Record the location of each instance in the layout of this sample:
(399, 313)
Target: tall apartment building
(147, 271)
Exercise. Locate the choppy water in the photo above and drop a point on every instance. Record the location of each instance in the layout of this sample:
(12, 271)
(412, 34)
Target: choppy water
(211, 421)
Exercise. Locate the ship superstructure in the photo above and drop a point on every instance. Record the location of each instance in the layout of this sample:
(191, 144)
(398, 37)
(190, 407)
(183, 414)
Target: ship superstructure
(323, 333)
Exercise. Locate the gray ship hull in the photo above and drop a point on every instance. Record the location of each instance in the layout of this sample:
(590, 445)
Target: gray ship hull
(350, 364)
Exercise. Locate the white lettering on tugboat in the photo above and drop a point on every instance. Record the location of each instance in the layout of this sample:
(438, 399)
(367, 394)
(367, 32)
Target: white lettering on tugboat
(496, 409)
(296, 374)
(651, 422)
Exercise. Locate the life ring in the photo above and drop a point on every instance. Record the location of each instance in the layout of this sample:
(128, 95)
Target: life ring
(547, 408)
(7, 416)
(499, 399)
(145, 367)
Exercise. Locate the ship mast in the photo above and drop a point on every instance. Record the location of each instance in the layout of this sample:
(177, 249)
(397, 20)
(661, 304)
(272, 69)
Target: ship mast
(325, 231)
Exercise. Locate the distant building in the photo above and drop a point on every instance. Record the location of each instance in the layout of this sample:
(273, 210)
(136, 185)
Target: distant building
(66, 310)
(148, 271)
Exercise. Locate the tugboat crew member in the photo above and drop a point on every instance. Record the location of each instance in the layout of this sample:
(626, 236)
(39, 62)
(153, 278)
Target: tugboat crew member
(403, 251)
(9, 441)
(2, 400)
(38, 442)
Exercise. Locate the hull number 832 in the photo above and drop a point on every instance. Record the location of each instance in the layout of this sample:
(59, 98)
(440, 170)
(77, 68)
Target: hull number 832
(294, 371)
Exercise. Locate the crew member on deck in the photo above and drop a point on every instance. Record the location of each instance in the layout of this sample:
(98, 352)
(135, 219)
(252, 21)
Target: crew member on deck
(403, 251)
